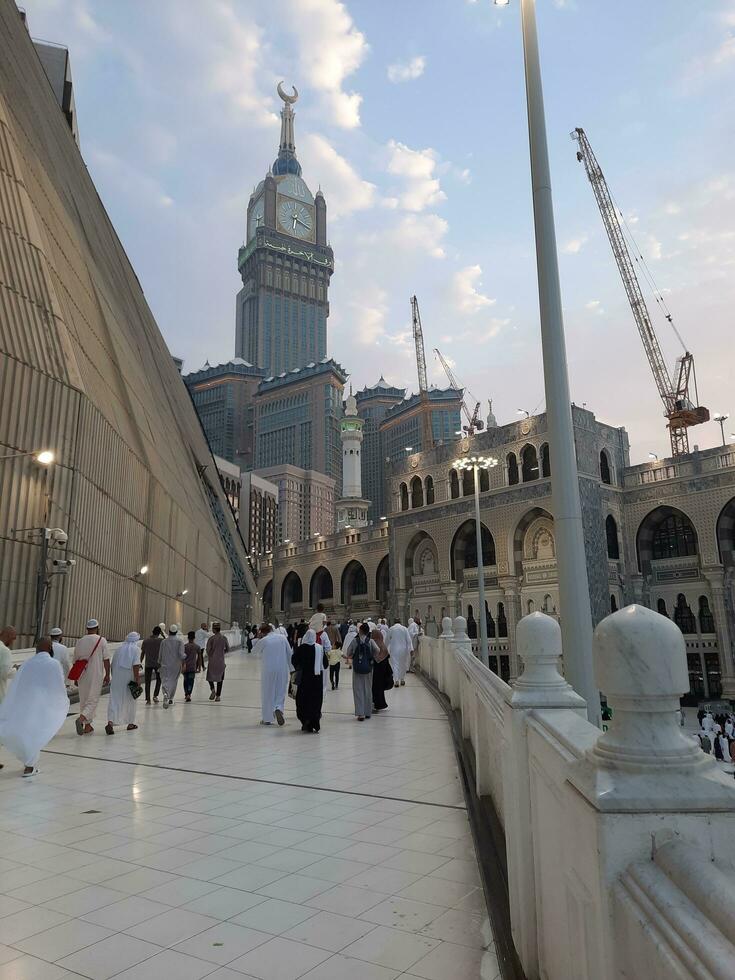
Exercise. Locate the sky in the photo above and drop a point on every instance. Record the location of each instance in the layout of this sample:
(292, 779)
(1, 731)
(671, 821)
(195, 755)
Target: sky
(411, 118)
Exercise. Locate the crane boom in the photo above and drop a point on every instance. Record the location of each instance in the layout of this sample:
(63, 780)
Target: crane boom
(427, 433)
(678, 407)
(473, 418)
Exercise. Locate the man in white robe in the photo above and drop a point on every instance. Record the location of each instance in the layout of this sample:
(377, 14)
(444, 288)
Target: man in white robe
(275, 668)
(400, 646)
(384, 629)
(8, 636)
(125, 668)
(35, 707)
(200, 638)
(172, 657)
(93, 649)
(61, 651)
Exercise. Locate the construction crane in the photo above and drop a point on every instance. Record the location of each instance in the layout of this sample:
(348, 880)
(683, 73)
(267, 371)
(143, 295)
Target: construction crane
(674, 391)
(474, 422)
(427, 432)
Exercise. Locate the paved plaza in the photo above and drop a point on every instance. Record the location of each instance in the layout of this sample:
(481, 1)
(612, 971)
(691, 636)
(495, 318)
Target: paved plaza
(206, 845)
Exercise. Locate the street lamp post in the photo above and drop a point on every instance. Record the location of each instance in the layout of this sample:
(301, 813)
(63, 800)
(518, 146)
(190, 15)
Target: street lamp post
(722, 418)
(476, 463)
(574, 598)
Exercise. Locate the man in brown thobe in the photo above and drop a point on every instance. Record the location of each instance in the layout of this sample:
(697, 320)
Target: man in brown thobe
(217, 647)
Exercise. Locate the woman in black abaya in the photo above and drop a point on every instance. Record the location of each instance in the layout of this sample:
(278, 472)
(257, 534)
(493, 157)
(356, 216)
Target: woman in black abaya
(310, 661)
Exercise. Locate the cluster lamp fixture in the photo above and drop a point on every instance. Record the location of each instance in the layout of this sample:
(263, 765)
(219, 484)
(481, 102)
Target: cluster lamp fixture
(653, 456)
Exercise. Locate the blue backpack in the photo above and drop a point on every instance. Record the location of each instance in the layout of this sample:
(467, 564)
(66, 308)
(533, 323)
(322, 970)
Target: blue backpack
(362, 658)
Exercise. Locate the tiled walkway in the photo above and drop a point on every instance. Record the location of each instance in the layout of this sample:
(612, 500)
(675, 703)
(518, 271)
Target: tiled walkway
(205, 845)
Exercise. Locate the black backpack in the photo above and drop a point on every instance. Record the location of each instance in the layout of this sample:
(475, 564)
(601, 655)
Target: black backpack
(362, 658)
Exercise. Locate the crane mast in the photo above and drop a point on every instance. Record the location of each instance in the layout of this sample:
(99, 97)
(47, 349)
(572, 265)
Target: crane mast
(474, 422)
(427, 432)
(678, 407)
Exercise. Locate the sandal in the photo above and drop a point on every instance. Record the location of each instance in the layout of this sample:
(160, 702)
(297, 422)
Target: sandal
(109, 729)
(79, 725)
(132, 728)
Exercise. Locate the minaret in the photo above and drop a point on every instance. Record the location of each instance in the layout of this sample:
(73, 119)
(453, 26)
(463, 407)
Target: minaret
(492, 422)
(352, 509)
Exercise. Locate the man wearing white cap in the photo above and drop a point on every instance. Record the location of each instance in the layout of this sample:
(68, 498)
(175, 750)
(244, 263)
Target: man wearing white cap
(91, 648)
(172, 657)
(61, 651)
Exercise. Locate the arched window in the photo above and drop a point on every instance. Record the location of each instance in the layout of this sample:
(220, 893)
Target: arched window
(417, 492)
(512, 466)
(545, 460)
(471, 624)
(468, 483)
(453, 485)
(530, 606)
(529, 463)
(683, 615)
(484, 481)
(502, 621)
(463, 553)
(706, 619)
(548, 604)
(605, 467)
(611, 532)
(490, 622)
(613, 604)
(404, 497)
(661, 607)
(674, 538)
(429, 490)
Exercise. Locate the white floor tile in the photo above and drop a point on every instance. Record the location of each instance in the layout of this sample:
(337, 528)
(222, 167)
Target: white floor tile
(391, 948)
(463, 928)
(279, 959)
(275, 916)
(346, 900)
(341, 967)
(224, 903)
(29, 922)
(168, 964)
(402, 913)
(450, 961)
(109, 957)
(223, 943)
(329, 931)
(126, 913)
(61, 940)
(172, 927)
(30, 968)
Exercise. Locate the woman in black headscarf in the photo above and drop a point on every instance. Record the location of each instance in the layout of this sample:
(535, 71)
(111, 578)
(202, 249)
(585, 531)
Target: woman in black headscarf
(310, 661)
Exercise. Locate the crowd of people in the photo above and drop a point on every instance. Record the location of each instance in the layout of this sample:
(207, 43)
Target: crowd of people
(305, 660)
(717, 734)
(302, 660)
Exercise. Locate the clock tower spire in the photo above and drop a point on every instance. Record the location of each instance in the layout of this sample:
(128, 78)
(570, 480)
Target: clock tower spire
(286, 162)
(285, 265)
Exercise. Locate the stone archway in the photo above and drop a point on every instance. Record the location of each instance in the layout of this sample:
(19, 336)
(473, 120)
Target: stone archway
(321, 587)
(665, 532)
(354, 582)
(292, 592)
(463, 550)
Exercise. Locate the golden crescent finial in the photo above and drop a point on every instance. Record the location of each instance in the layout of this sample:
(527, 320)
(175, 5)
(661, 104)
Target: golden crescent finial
(288, 99)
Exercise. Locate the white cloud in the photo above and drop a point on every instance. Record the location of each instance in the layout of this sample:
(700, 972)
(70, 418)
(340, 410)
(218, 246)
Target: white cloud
(594, 306)
(407, 71)
(574, 245)
(653, 247)
(368, 309)
(331, 48)
(343, 187)
(466, 287)
(129, 180)
(421, 232)
(421, 189)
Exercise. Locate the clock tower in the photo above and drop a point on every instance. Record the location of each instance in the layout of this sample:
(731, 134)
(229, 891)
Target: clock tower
(285, 264)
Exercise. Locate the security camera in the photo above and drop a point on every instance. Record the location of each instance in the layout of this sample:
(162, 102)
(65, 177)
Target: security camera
(57, 535)
(64, 562)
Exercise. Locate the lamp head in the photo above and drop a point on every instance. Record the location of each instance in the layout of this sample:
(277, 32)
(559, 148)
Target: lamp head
(45, 457)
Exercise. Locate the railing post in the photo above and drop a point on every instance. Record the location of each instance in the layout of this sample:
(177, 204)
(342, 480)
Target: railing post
(538, 639)
(642, 779)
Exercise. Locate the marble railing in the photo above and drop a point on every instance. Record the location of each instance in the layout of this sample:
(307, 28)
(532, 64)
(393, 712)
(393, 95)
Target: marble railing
(620, 845)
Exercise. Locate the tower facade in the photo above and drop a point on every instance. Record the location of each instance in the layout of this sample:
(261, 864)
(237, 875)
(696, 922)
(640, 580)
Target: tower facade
(285, 265)
(352, 509)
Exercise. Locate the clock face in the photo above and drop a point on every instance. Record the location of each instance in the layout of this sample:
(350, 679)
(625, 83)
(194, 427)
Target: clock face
(256, 216)
(295, 218)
